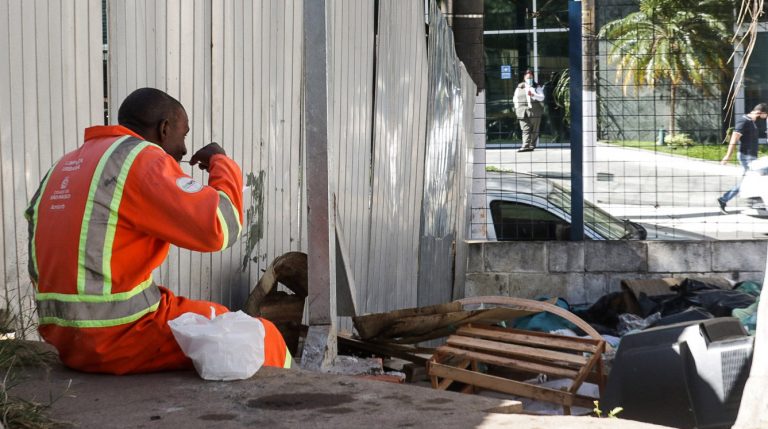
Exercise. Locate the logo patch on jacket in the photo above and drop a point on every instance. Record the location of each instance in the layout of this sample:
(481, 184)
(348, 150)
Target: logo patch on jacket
(189, 185)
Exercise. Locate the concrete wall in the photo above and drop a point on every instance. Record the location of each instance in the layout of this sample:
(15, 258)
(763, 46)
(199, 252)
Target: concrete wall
(583, 272)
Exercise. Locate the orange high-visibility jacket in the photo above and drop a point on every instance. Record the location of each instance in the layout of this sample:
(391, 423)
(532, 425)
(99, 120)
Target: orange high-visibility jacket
(102, 220)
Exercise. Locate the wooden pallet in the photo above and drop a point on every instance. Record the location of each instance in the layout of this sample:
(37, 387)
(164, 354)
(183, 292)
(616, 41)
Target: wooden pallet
(473, 347)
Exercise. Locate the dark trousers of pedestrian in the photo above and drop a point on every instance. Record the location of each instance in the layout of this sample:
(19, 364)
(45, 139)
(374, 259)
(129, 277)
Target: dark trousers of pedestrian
(529, 125)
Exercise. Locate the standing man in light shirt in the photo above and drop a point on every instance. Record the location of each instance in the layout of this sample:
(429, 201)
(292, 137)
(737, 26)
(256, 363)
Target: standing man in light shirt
(528, 100)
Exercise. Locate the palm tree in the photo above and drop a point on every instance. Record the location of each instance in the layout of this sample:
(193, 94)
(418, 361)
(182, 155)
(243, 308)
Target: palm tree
(672, 42)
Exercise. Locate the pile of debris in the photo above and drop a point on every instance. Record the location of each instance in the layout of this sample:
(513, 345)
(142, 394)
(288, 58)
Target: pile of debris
(547, 351)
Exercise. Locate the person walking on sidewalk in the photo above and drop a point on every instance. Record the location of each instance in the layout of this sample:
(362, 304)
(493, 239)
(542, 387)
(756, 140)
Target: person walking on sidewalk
(528, 99)
(745, 134)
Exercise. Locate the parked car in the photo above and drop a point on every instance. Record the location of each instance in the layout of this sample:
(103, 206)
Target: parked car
(523, 206)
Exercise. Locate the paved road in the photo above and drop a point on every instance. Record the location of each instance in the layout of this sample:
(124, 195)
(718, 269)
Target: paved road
(674, 192)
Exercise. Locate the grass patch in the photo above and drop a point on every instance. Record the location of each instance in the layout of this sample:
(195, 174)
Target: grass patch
(495, 169)
(708, 152)
(16, 354)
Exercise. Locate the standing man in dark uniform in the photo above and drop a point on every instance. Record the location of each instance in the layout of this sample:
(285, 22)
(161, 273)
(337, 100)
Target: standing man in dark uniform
(745, 134)
(528, 99)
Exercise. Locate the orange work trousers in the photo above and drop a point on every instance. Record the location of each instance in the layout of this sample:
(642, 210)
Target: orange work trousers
(148, 344)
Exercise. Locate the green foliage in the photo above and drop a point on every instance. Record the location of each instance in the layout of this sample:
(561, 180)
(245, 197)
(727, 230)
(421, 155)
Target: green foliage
(671, 42)
(709, 152)
(679, 140)
(495, 169)
(611, 414)
(562, 94)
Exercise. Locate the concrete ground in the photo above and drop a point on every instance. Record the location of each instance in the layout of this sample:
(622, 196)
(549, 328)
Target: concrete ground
(273, 398)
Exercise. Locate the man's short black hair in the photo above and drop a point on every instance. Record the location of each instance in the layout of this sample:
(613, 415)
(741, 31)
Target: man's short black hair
(762, 108)
(144, 108)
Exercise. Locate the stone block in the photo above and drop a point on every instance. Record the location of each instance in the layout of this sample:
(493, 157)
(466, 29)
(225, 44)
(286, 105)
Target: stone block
(532, 286)
(515, 257)
(482, 284)
(755, 276)
(677, 257)
(574, 292)
(475, 257)
(565, 257)
(615, 256)
(595, 286)
(738, 256)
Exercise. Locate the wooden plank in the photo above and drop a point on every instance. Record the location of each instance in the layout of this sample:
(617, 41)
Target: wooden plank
(447, 381)
(528, 304)
(515, 350)
(410, 354)
(494, 327)
(512, 387)
(521, 337)
(587, 369)
(371, 325)
(421, 325)
(521, 365)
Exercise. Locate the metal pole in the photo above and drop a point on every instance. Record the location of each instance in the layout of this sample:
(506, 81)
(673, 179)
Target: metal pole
(577, 156)
(320, 345)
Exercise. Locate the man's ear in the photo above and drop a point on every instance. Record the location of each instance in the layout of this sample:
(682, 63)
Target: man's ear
(163, 127)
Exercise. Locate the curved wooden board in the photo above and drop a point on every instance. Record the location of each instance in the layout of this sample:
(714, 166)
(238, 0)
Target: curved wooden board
(537, 306)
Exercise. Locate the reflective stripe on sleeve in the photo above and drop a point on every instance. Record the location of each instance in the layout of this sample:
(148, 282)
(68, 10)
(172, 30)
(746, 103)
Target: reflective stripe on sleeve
(288, 358)
(229, 219)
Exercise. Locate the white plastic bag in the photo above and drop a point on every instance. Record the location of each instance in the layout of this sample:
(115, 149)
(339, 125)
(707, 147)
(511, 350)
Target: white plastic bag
(225, 347)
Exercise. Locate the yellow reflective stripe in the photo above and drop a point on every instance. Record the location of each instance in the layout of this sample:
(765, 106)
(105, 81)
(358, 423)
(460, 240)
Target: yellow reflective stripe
(70, 297)
(98, 312)
(88, 211)
(113, 209)
(224, 229)
(228, 217)
(97, 323)
(288, 358)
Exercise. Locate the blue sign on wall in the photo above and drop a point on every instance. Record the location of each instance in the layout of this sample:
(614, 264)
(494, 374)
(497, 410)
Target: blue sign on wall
(506, 72)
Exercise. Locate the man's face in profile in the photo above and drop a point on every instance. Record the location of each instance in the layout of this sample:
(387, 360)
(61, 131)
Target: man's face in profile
(177, 132)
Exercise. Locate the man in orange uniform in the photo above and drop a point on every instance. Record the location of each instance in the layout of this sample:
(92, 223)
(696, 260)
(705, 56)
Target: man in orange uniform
(103, 220)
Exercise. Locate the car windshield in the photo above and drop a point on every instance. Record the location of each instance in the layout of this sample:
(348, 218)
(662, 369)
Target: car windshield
(595, 218)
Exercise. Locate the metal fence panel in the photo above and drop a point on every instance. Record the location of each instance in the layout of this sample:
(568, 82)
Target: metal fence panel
(444, 165)
(399, 134)
(236, 68)
(50, 90)
(351, 34)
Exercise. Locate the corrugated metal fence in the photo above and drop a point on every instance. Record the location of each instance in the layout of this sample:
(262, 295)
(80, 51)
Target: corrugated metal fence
(50, 90)
(237, 68)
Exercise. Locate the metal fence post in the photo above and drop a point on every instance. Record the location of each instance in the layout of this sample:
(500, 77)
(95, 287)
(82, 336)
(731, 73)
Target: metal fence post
(577, 156)
(320, 345)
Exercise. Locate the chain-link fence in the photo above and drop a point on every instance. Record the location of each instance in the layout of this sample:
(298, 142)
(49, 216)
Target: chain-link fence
(654, 131)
